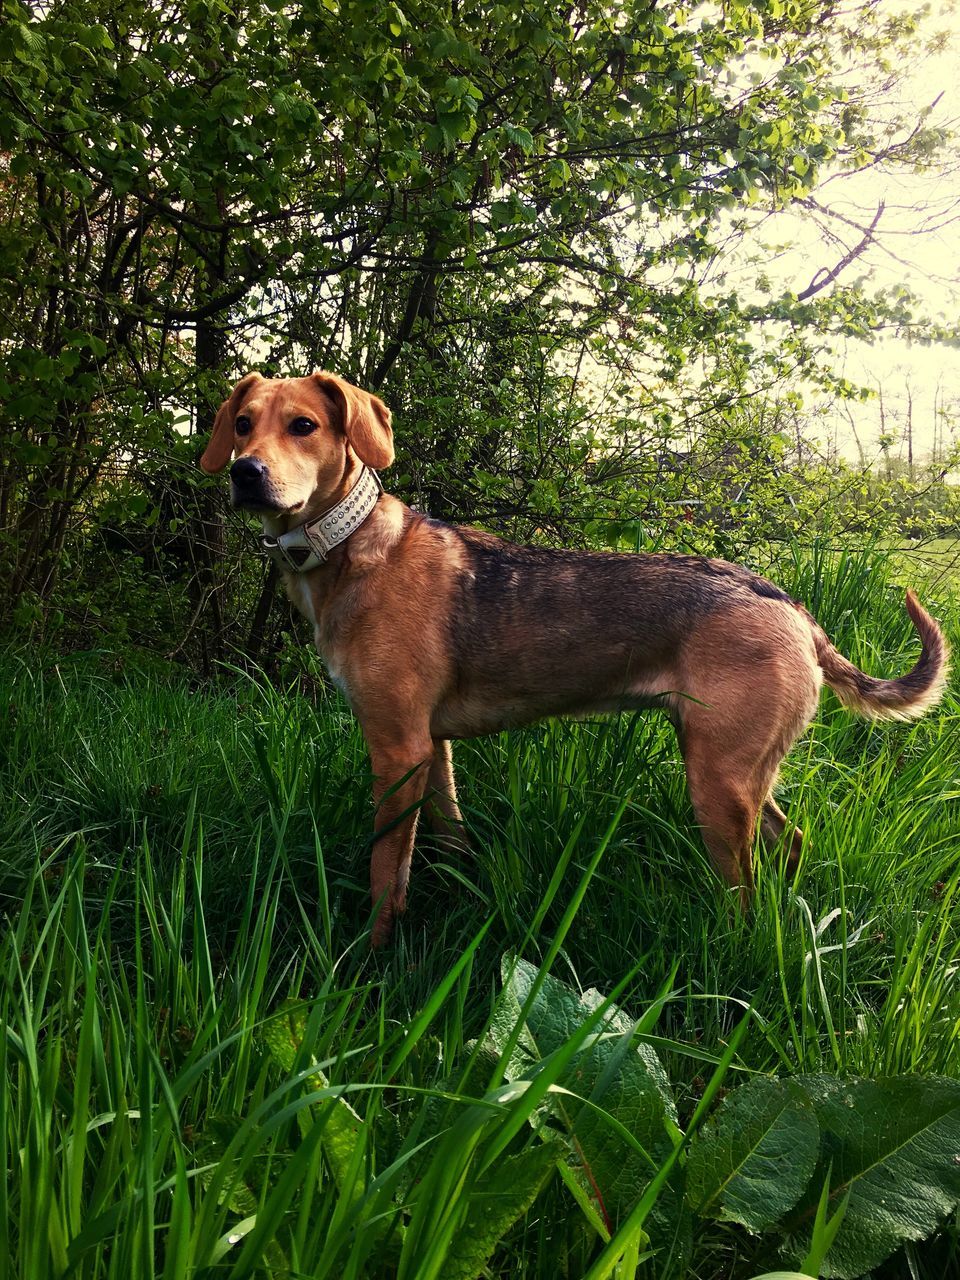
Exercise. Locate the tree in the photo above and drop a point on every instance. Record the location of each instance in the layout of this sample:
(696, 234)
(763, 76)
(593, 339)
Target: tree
(498, 214)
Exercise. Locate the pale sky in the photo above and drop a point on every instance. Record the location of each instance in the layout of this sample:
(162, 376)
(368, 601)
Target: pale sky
(917, 244)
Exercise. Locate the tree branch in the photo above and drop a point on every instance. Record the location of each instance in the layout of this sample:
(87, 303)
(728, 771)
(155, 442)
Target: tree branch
(827, 275)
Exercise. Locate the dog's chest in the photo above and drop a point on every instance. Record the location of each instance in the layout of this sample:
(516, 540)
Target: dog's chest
(298, 589)
(302, 597)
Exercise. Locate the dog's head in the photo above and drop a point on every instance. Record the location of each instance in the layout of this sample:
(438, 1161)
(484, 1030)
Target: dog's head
(296, 440)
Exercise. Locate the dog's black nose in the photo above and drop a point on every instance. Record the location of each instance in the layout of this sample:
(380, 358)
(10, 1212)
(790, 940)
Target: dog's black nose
(248, 473)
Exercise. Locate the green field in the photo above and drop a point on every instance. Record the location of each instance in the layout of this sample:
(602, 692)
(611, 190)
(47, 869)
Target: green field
(935, 559)
(208, 1073)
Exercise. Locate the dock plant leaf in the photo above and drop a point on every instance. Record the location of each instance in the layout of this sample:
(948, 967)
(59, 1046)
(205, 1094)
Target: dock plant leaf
(752, 1161)
(894, 1145)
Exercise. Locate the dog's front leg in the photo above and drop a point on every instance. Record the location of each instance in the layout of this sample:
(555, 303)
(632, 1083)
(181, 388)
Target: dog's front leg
(400, 772)
(442, 810)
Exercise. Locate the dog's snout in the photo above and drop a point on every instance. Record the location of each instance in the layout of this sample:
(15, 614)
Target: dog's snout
(248, 472)
(252, 486)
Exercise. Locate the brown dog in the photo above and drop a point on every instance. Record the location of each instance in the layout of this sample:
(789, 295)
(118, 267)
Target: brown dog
(437, 632)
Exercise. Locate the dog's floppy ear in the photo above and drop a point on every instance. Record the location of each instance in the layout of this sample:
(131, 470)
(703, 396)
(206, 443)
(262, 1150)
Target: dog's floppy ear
(218, 451)
(366, 420)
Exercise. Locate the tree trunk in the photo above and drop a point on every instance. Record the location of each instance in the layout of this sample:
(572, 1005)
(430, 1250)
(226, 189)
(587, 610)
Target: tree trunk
(207, 540)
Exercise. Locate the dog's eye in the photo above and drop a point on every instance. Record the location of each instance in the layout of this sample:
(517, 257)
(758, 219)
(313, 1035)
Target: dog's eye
(242, 426)
(302, 426)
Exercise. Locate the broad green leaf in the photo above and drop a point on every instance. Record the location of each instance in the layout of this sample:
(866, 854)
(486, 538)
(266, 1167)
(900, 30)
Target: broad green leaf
(343, 1128)
(520, 137)
(618, 1119)
(895, 1147)
(497, 1201)
(751, 1162)
(783, 1275)
(283, 1034)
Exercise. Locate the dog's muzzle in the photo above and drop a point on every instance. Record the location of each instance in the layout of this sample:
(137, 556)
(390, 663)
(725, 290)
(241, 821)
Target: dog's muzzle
(251, 485)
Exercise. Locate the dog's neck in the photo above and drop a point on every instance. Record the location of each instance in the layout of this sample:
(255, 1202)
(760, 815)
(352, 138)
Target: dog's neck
(308, 544)
(274, 525)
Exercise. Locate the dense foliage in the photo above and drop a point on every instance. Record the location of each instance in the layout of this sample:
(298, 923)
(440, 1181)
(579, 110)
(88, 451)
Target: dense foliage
(498, 215)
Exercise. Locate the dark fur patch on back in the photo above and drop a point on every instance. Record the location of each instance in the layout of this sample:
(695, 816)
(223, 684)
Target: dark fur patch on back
(518, 600)
(770, 592)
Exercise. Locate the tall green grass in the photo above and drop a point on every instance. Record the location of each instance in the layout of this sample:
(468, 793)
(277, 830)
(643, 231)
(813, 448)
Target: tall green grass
(179, 863)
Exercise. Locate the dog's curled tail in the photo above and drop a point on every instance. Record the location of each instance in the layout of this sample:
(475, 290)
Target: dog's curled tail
(902, 699)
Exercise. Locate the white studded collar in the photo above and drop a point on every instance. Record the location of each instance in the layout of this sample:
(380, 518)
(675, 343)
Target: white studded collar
(309, 544)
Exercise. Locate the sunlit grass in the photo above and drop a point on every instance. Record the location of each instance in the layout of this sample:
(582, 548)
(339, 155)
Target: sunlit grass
(177, 861)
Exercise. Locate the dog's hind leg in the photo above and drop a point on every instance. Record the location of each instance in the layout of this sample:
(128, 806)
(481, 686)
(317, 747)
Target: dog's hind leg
(729, 774)
(753, 686)
(773, 823)
(726, 805)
